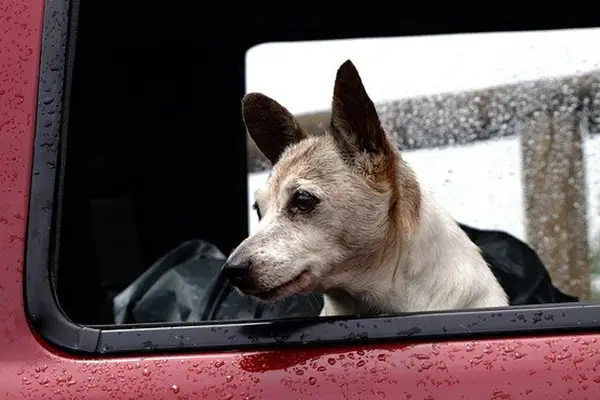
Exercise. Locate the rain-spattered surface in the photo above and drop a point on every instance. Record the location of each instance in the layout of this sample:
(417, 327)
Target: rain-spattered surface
(555, 368)
(454, 119)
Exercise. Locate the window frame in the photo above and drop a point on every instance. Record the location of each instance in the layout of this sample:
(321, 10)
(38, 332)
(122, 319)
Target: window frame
(48, 319)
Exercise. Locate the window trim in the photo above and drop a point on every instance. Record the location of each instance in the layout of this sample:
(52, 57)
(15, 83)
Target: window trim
(47, 318)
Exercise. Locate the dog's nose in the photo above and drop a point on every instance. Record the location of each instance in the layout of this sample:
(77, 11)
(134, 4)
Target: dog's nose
(237, 273)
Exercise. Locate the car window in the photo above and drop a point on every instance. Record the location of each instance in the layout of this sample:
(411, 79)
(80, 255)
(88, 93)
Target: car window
(141, 190)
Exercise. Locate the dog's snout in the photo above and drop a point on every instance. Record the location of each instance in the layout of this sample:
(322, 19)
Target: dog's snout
(237, 273)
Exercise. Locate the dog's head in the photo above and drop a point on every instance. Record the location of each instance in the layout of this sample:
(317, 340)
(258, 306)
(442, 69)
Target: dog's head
(333, 205)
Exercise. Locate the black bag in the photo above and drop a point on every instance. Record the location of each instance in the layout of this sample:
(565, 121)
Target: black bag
(517, 267)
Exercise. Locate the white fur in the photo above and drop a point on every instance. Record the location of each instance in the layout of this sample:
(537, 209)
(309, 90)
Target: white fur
(440, 269)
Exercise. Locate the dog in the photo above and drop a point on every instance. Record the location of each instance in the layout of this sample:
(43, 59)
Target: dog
(344, 215)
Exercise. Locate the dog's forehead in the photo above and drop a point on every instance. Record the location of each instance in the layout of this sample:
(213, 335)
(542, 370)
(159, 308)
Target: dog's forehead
(311, 159)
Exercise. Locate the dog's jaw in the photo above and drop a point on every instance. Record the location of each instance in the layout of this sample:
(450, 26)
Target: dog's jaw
(305, 282)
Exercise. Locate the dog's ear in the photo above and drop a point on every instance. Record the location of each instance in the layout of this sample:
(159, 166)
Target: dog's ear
(270, 125)
(354, 124)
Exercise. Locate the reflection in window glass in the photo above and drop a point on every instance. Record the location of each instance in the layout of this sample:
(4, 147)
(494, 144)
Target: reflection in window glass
(502, 127)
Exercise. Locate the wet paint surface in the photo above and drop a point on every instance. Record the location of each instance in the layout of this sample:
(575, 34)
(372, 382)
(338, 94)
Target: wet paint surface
(20, 34)
(550, 367)
(498, 369)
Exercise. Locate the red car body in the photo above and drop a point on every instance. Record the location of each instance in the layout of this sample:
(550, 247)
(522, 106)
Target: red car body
(556, 366)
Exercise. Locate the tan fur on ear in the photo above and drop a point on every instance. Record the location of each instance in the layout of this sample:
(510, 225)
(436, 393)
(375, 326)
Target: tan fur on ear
(270, 125)
(360, 138)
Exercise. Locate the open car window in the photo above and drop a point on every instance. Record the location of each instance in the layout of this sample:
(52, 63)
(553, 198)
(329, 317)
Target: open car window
(145, 177)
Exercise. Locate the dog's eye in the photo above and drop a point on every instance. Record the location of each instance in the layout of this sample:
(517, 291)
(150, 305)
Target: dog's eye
(303, 201)
(255, 208)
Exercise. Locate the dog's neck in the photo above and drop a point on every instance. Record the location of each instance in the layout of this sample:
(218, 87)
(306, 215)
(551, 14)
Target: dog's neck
(437, 267)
